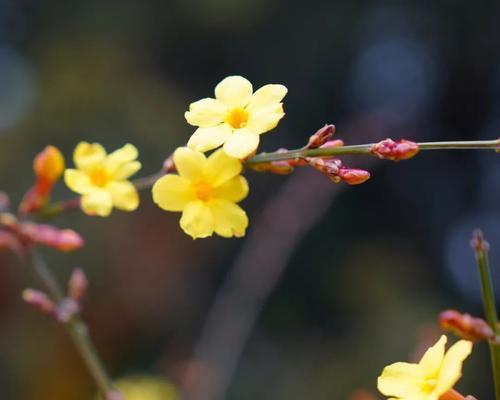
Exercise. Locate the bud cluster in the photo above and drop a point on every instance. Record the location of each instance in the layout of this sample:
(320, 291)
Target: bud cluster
(336, 172)
(388, 149)
(15, 235)
(65, 309)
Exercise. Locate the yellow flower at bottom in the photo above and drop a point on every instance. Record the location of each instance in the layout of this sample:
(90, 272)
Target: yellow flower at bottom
(206, 191)
(435, 374)
(101, 178)
(145, 388)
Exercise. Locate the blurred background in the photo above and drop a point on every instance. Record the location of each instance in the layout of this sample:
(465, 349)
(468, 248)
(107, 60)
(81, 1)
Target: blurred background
(332, 283)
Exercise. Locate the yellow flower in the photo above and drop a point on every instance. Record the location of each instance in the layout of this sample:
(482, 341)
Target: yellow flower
(236, 117)
(101, 178)
(145, 388)
(434, 375)
(206, 191)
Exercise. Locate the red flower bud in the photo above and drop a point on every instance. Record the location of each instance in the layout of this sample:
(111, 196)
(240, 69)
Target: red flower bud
(321, 136)
(465, 326)
(388, 149)
(353, 176)
(48, 165)
(47, 235)
(77, 285)
(39, 300)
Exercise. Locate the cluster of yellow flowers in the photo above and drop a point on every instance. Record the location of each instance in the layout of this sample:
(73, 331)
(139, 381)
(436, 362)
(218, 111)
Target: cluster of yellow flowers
(206, 189)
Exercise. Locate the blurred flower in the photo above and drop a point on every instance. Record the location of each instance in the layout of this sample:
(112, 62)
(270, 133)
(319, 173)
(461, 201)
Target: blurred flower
(101, 179)
(145, 388)
(236, 117)
(206, 191)
(465, 326)
(434, 375)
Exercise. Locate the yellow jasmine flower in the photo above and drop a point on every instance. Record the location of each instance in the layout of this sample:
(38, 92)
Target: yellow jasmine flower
(236, 117)
(206, 191)
(145, 388)
(101, 178)
(435, 374)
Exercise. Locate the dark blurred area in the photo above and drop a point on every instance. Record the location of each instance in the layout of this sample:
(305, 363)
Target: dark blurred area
(362, 286)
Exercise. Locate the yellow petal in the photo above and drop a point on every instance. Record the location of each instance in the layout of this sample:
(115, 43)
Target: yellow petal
(234, 91)
(265, 119)
(206, 112)
(230, 219)
(173, 192)
(126, 170)
(87, 155)
(266, 96)
(204, 139)
(97, 202)
(221, 168)
(197, 220)
(241, 143)
(233, 190)
(127, 153)
(77, 181)
(400, 380)
(433, 357)
(124, 195)
(451, 368)
(189, 163)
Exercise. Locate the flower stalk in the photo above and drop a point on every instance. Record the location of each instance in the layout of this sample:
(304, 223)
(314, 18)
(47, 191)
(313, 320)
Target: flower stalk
(480, 247)
(366, 149)
(76, 328)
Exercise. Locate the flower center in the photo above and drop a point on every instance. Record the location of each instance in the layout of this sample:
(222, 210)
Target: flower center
(429, 385)
(99, 177)
(237, 118)
(203, 191)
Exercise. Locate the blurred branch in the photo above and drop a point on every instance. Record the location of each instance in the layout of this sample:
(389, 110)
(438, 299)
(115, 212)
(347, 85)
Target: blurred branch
(76, 328)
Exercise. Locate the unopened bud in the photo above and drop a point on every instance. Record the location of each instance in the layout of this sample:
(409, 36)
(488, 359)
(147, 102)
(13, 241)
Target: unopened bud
(39, 300)
(353, 176)
(332, 143)
(388, 149)
(4, 202)
(66, 309)
(60, 239)
(77, 284)
(478, 242)
(168, 165)
(465, 326)
(321, 136)
(49, 164)
(328, 166)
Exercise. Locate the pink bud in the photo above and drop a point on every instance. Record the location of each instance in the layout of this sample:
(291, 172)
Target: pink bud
(353, 176)
(60, 239)
(77, 285)
(321, 136)
(39, 300)
(66, 309)
(388, 149)
(114, 395)
(4, 202)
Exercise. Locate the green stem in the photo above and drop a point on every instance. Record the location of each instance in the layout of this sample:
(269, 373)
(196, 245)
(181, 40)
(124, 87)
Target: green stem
(365, 149)
(480, 247)
(76, 328)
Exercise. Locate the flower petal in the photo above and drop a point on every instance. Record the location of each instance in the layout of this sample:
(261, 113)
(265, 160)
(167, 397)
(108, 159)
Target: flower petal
(189, 163)
(206, 112)
(126, 170)
(233, 190)
(197, 220)
(204, 139)
(77, 181)
(97, 202)
(173, 192)
(229, 218)
(241, 143)
(87, 155)
(266, 96)
(265, 119)
(234, 91)
(400, 379)
(451, 368)
(432, 359)
(124, 195)
(127, 153)
(221, 168)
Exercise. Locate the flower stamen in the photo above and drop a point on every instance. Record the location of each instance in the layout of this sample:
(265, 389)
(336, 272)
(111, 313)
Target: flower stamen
(237, 118)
